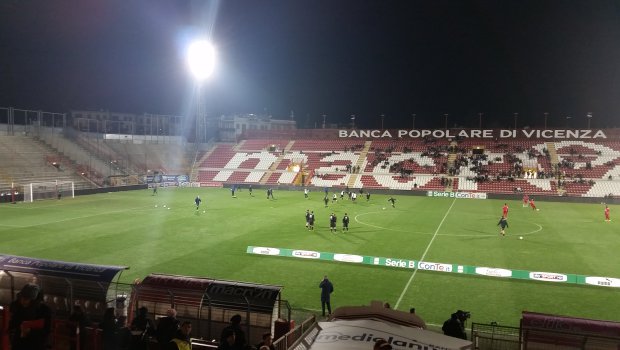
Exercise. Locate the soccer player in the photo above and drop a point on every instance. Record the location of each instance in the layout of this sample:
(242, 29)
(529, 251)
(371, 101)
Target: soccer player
(232, 191)
(305, 193)
(307, 217)
(367, 196)
(342, 194)
(311, 221)
(503, 223)
(334, 198)
(197, 200)
(607, 214)
(393, 201)
(505, 210)
(326, 200)
(332, 222)
(154, 189)
(532, 204)
(345, 222)
(526, 200)
(250, 190)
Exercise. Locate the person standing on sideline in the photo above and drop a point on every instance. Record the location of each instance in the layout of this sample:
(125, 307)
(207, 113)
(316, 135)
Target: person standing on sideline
(250, 190)
(197, 201)
(505, 211)
(503, 223)
(607, 214)
(326, 290)
(345, 222)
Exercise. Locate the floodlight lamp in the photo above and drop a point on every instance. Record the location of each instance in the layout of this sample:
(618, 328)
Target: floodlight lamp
(201, 59)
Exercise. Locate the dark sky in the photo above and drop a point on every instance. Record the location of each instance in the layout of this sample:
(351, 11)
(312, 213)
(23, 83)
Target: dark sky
(332, 57)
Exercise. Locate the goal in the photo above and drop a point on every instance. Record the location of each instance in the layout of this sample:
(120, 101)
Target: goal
(49, 190)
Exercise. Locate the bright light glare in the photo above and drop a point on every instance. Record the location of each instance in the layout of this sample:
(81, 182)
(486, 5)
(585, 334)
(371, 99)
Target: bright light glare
(201, 59)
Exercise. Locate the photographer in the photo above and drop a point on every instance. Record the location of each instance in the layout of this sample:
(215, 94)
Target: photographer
(455, 326)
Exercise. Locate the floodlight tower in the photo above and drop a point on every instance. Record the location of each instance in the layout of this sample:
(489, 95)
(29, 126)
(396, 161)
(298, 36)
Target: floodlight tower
(201, 63)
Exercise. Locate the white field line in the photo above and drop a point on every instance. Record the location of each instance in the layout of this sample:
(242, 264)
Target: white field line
(423, 255)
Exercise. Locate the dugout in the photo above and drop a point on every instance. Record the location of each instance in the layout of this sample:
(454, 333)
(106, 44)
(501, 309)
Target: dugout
(209, 304)
(63, 284)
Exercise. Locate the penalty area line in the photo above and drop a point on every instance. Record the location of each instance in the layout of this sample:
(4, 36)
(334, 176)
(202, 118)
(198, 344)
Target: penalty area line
(400, 298)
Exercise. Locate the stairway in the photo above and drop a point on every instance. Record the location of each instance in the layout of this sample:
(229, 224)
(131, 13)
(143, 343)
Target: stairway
(275, 164)
(553, 158)
(360, 163)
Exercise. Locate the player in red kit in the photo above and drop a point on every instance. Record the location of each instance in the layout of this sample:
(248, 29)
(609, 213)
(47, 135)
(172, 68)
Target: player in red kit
(607, 214)
(532, 204)
(526, 199)
(505, 210)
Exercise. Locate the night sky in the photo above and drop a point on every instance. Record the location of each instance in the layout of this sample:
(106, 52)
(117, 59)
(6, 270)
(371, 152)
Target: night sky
(332, 57)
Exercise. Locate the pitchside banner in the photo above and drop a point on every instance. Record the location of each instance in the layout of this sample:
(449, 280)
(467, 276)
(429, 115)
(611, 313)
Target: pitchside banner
(439, 267)
(467, 195)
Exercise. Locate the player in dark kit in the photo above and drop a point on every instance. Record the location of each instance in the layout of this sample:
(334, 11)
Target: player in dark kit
(503, 223)
(332, 222)
(197, 201)
(307, 217)
(393, 201)
(311, 221)
(367, 196)
(326, 200)
(250, 190)
(154, 189)
(232, 191)
(345, 222)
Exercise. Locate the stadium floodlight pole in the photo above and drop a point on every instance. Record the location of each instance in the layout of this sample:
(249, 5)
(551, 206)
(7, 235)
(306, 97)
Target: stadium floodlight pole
(201, 63)
(516, 117)
(589, 116)
(546, 116)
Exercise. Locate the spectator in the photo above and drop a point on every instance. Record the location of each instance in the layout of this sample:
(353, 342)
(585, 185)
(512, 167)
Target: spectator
(326, 290)
(30, 321)
(267, 342)
(239, 335)
(141, 329)
(167, 327)
(109, 328)
(78, 321)
(227, 341)
(181, 339)
(123, 334)
(454, 327)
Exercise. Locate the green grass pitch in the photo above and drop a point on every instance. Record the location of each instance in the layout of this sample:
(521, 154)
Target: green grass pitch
(136, 230)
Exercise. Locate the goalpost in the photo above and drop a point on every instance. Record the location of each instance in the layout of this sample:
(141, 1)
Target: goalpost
(49, 190)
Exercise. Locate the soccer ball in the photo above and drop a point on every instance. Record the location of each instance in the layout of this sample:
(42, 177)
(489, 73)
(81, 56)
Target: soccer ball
(520, 237)
(164, 205)
(383, 208)
(204, 211)
(537, 209)
(168, 208)
(155, 205)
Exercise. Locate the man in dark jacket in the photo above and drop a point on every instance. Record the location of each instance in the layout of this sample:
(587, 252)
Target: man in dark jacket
(326, 290)
(31, 320)
(235, 327)
(167, 327)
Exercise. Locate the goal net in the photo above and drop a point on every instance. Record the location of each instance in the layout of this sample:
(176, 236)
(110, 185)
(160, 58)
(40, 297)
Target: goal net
(49, 190)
